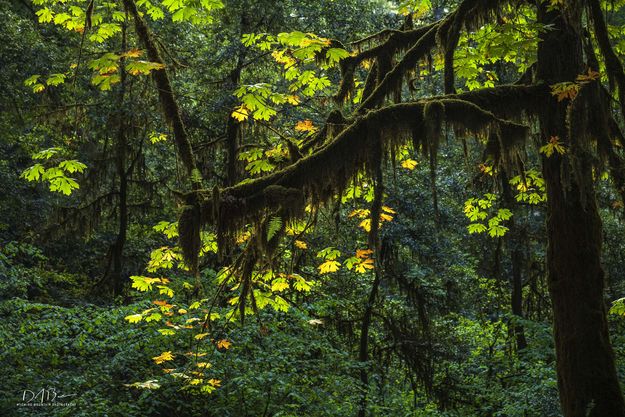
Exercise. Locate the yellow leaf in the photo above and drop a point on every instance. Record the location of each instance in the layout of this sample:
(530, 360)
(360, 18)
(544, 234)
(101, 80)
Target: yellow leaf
(203, 365)
(163, 357)
(385, 217)
(300, 244)
(200, 336)
(409, 164)
(389, 210)
(366, 225)
(360, 213)
(305, 126)
(329, 266)
(214, 382)
(279, 285)
(162, 303)
(224, 344)
(195, 381)
(243, 237)
(133, 53)
(182, 311)
(294, 100)
(364, 265)
(240, 113)
(134, 318)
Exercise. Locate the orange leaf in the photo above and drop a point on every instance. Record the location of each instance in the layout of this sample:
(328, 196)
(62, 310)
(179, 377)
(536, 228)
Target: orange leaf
(305, 126)
(223, 344)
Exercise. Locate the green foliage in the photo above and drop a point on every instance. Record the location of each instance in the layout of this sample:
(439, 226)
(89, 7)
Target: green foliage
(54, 175)
(477, 210)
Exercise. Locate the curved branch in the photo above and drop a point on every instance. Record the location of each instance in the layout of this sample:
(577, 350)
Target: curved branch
(317, 178)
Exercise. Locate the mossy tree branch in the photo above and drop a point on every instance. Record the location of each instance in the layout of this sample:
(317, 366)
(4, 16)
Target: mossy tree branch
(320, 176)
(170, 107)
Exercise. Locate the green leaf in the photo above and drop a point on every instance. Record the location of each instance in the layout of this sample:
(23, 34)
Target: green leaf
(329, 253)
(153, 317)
(162, 289)
(45, 15)
(33, 173)
(63, 185)
(476, 228)
(142, 283)
(72, 166)
(46, 153)
(334, 55)
(274, 226)
(55, 79)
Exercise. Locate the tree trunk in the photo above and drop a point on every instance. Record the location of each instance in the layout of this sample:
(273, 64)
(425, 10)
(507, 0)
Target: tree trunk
(514, 240)
(120, 162)
(587, 379)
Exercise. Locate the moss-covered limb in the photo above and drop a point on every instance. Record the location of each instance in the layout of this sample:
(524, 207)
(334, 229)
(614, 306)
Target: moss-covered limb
(508, 100)
(320, 176)
(613, 64)
(398, 40)
(394, 77)
(470, 13)
(170, 107)
(335, 122)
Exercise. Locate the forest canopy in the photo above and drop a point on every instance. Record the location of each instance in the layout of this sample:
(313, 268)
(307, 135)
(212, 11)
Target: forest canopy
(312, 208)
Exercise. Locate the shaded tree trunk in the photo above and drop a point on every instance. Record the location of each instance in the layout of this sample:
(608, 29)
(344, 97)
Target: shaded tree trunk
(587, 379)
(515, 246)
(120, 163)
(363, 352)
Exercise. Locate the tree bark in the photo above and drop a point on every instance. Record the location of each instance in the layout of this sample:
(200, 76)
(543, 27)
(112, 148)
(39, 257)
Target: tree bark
(120, 163)
(514, 239)
(587, 379)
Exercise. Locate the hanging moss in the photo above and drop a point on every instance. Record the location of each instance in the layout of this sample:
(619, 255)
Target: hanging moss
(614, 66)
(390, 41)
(169, 105)
(319, 177)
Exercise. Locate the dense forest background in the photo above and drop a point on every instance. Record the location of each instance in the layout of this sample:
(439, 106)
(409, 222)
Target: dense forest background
(437, 304)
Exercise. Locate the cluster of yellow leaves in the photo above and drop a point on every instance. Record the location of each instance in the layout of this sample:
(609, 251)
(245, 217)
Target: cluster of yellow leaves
(132, 53)
(305, 126)
(409, 164)
(224, 344)
(552, 146)
(385, 216)
(330, 263)
(363, 261)
(328, 266)
(163, 357)
(300, 244)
